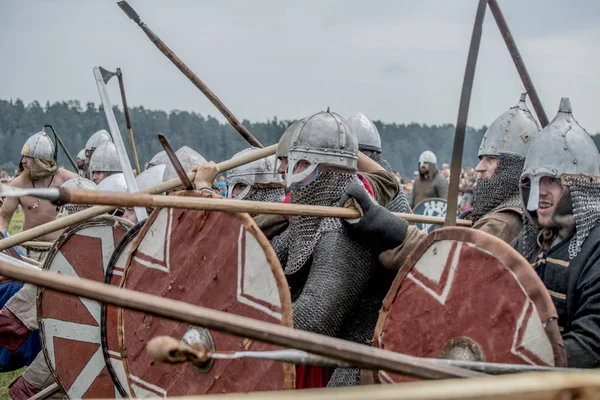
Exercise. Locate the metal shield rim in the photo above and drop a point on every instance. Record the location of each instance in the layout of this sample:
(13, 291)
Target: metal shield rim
(73, 229)
(523, 271)
(289, 370)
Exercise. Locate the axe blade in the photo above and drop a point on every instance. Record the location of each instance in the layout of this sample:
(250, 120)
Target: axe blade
(106, 75)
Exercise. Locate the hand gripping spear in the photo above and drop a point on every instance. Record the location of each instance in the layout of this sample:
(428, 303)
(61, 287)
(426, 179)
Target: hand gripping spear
(106, 75)
(127, 9)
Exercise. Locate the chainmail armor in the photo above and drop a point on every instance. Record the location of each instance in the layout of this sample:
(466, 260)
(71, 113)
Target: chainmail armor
(303, 233)
(376, 156)
(585, 198)
(501, 190)
(254, 193)
(399, 204)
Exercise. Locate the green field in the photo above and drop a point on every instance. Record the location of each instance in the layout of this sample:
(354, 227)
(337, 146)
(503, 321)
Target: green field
(7, 377)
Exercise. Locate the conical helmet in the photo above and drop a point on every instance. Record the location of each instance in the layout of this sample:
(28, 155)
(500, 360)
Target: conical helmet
(113, 183)
(79, 183)
(153, 176)
(39, 146)
(97, 139)
(81, 155)
(105, 159)
(159, 158)
(512, 132)
(322, 138)
(260, 171)
(562, 147)
(367, 133)
(188, 158)
(427, 157)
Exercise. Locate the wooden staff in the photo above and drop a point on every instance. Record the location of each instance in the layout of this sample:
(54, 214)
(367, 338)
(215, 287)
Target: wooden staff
(76, 196)
(534, 386)
(61, 223)
(136, 162)
(37, 244)
(358, 354)
(130, 12)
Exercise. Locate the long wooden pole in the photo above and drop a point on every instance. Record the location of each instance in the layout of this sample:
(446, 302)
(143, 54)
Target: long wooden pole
(190, 75)
(370, 357)
(136, 161)
(75, 196)
(532, 386)
(61, 223)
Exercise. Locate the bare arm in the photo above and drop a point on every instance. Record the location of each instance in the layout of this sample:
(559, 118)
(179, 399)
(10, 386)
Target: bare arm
(6, 212)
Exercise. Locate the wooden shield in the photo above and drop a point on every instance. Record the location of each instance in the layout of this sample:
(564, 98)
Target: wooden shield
(464, 294)
(110, 341)
(434, 207)
(69, 325)
(212, 259)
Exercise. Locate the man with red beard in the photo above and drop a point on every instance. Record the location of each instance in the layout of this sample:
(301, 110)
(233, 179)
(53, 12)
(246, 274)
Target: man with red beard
(39, 171)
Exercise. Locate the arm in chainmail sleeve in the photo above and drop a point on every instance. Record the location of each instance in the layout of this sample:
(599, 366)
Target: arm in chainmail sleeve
(441, 186)
(395, 258)
(339, 273)
(385, 186)
(505, 225)
(411, 199)
(271, 225)
(582, 342)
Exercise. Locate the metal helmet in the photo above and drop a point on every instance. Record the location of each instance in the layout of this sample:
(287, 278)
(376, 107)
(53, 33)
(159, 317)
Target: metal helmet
(105, 159)
(79, 183)
(283, 146)
(188, 158)
(366, 133)
(153, 176)
(81, 155)
(160, 158)
(512, 132)
(113, 183)
(97, 139)
(562, 147)
(427, 157)
(260, 171)
(39, 146)
(322, 138)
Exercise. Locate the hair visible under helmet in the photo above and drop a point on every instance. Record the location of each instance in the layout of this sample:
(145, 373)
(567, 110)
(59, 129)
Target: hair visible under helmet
(369, 141)
(507, 138)
(40, 149)
(105, 159)
(329, 144)
(563, 149)
(261, 180)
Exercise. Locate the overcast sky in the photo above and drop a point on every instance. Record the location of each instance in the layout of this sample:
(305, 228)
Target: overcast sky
(395, 60)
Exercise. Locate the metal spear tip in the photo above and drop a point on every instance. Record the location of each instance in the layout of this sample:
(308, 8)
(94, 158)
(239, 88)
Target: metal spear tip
(45, 193)
(127, 9)
(106, 74)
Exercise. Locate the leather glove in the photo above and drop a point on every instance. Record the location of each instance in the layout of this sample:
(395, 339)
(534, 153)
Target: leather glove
(377, 227)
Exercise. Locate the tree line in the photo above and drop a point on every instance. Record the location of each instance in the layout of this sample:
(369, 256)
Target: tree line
(402, 143)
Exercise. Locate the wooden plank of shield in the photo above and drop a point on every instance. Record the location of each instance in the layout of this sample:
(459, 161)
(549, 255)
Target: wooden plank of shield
(69, 325)
(109, 337)
(213, 259)
(465, 294)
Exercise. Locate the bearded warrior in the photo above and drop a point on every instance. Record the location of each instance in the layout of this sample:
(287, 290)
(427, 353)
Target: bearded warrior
(327, 271)
(369, 144)
(560, 188)
(430, 183)
(104, 162)
(256, 181)
(81, 167)
(497, 209)
(93, 142)
(39, 171)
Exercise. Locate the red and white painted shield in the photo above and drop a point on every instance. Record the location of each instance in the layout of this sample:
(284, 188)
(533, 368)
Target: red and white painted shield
(69, 325)
(464, 294)
(212, 259)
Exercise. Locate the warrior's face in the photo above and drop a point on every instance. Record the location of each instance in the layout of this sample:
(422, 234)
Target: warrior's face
(238, 189)
(97, 176)
(283, 165)
(550, 192)
(301, 166)
(424, 168)
(26, 162)
(487, 166)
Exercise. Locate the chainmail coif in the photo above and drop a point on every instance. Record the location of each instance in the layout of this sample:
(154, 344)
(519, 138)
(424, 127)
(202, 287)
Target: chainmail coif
(501, 190)
(295, 246)
(376, 156)
(254, 193)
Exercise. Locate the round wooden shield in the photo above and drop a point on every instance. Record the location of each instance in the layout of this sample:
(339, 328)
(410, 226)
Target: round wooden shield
(434, 207)
(69, 325)
(465, 294)
(212, 259)
(109, 337)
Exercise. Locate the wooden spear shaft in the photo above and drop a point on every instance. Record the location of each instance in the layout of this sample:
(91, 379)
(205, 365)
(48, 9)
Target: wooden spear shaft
(253, 207)
(64, 222)
(136, 161)
(370, 357)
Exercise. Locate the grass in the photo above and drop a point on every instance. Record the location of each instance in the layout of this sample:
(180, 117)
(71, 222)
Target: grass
(16, 223)
(7, 377)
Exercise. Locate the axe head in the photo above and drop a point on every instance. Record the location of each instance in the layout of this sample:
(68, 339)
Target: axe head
(106, 75)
